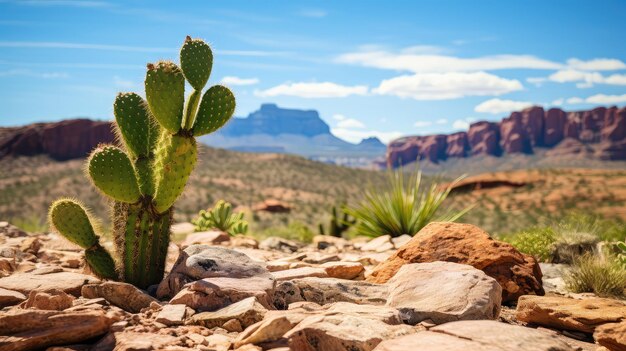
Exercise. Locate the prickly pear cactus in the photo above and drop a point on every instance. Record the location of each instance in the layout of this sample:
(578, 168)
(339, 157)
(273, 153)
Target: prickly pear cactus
(337, 226)
(144, 177)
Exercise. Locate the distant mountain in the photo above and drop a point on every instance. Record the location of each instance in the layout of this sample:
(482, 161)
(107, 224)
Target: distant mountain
(301, 132)
(594, 134)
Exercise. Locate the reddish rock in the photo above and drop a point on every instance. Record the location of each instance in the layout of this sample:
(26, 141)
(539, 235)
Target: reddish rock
(402, 151)
(554, 127)
(63, 140)
(484, 138)
(458, 145)
(614, 128)
(611, 150)
(513, 135)
(533, 120)
(272, 206)
(433, 148)
(517, 273)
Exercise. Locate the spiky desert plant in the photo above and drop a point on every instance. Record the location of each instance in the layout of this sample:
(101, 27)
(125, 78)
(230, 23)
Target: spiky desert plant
(338, 224)
(145, 176)
(221, 217)
(621, 255)
(403, 207)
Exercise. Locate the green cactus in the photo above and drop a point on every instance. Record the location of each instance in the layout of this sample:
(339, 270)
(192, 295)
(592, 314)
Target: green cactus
(221, 217)
(337, 226)
(145, 177)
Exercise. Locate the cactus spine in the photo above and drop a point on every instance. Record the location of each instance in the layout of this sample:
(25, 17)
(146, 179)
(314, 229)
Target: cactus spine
(337, 226)
(145, 177)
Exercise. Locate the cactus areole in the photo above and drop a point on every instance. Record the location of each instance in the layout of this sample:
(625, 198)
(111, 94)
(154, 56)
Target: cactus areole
(145, 175)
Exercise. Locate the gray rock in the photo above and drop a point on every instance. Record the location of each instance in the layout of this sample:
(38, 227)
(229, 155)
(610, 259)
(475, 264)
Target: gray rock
(202, 261)
(279, 244)
(443, 292)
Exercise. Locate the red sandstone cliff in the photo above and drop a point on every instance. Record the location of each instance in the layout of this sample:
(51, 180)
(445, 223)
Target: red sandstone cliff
(73, 138)
(602, 130)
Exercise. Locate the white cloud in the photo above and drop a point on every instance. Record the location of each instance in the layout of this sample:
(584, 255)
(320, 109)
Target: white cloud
(598, 64)
(443, 86)
(422, 124)
(460, 124)
(313, 90)
(339, 117)
(441, 121)
(350, 123)
(558, 102)
(583, 79)
(600, 99)
(422, 63)
(232, 80)
(356, 136)
(575, 100)
(606, 99)
(496, 106)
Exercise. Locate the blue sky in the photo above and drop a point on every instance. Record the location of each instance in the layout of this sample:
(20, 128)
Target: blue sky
(369, 67)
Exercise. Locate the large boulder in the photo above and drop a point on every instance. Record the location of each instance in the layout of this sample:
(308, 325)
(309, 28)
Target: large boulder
(570, 314)
(518, 274)
(476, 336)
(443, 292)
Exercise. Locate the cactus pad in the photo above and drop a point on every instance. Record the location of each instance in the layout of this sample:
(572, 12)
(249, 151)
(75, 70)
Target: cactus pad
(165, 92)
(112, 173)
(133, 121)
(70, 219)
(101, 262)
(216, 108)
(196, 60)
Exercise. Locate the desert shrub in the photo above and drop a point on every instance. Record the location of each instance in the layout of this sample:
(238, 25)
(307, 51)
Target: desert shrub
(538, 242)
(603, 275)
(402, 207)
(221, 217)
(294, 230)
(621, 256)
(30, 224)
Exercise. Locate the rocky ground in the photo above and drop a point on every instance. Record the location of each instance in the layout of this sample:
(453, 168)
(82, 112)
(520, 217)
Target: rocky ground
(451, 287)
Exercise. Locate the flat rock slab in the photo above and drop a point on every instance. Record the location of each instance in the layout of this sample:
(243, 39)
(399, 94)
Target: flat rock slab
(297, 273)
(247, 312)
(211, 237)
(132, 341)
(203, 261)
(10, 297)
(69, 282)
(123, 295)
(172, 315)
(443, 292)
(612, 336)
(343, 270)
(476, 336)
(518, 274)
(570, 314)
(37, 329)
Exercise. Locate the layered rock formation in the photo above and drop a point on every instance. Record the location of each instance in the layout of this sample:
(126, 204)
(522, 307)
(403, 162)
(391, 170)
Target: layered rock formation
(601, 130)
(68, 139)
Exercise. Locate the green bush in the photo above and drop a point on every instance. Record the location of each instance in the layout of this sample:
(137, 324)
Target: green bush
(221, 217)
(602, 275)
(538, 242)
(402, 207)
(293, 231)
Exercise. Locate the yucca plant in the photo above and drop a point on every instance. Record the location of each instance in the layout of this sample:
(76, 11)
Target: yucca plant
(221, 217)
(403, 207)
